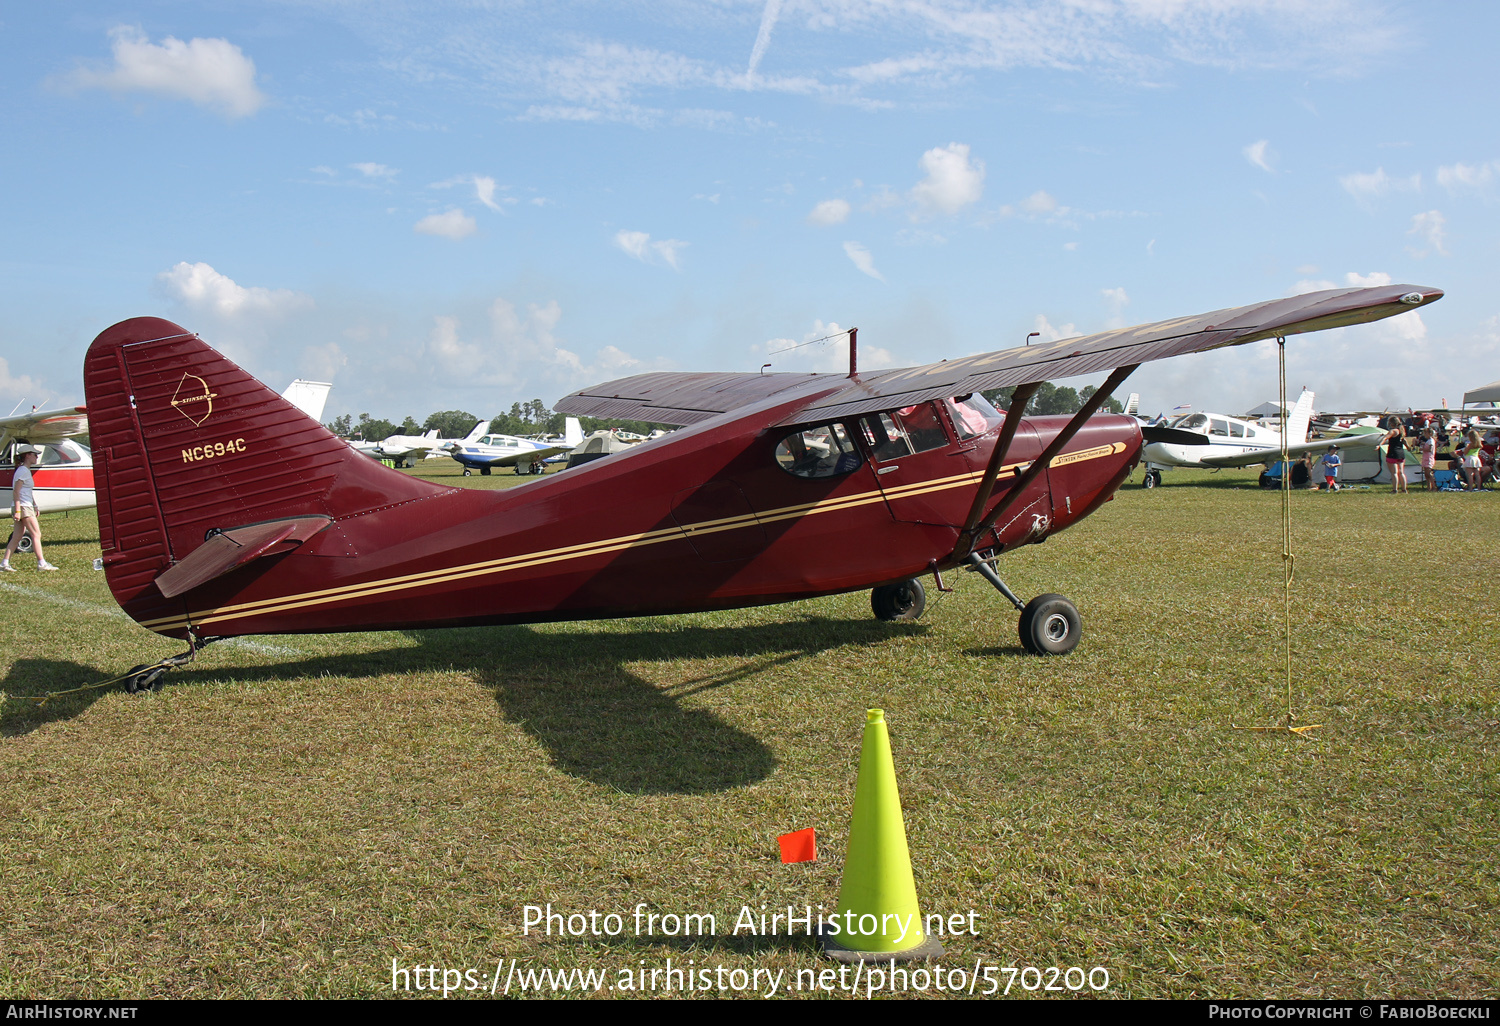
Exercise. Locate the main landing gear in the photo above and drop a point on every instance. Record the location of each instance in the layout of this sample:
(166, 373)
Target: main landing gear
(902, 601)
(1050, 624)
(1152, 479)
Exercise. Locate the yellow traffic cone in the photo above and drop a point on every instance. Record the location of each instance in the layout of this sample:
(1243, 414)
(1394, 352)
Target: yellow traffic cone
(878, 917)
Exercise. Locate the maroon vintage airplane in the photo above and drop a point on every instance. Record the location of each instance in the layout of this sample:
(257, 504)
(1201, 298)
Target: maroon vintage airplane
(225, 511)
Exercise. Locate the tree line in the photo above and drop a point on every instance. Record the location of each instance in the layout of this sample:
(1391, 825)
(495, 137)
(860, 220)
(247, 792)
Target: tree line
(534, 418)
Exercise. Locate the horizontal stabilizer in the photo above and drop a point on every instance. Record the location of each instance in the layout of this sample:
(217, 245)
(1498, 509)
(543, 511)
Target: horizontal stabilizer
(231, 549)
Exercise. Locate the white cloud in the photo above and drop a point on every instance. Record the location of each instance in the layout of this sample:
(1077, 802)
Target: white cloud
(1039, 202)
(862, 260)
(373, 170)
(953, 180)
(212, 73)
(1117, 301)
(1429, 228)
(1256, 154)
(1468, 177)
(834, 211)
(824, 349)
(200, 287)
(1367, 280)
(640, 246)
(1365, 187)
(452, 224)
(517, 348)
(15, 385)
(1052, 334)
(484, 190)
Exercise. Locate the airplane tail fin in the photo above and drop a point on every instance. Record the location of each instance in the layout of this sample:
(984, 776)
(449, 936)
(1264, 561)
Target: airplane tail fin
(1298, 420)
(573, 435)
(1133, 404)
(308, 396)
(480, 430)
(188, 446)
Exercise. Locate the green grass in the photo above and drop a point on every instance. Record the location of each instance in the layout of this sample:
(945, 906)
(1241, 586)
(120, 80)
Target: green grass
(292, 813)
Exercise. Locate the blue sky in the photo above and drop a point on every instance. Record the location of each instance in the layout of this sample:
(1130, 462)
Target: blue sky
(470, 204)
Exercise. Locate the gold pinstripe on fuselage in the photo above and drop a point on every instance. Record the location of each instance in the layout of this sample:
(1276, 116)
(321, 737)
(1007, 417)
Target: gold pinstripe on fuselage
(262, 607)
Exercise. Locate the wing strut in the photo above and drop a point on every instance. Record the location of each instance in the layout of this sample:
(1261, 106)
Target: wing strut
(976, 525)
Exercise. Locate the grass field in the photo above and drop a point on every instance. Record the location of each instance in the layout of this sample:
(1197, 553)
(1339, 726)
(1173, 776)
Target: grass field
(292, 813)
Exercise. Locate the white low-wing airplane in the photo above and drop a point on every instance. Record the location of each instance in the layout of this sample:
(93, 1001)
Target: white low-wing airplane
(405, 450)
(1233, 442)
(525, 454)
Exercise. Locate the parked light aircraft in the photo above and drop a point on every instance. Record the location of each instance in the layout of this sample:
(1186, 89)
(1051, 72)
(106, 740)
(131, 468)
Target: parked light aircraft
(405, 450)
(1234, 442)
(205, 535)
(526, 455)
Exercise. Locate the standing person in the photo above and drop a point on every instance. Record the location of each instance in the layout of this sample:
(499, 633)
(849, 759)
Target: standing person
(1331, 461)
(1473, 462)
(1395, 455)
(23, 508)
(1429, 458)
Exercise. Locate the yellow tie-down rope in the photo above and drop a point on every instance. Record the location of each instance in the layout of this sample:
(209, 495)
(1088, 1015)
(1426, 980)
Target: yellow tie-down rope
(1288, 562)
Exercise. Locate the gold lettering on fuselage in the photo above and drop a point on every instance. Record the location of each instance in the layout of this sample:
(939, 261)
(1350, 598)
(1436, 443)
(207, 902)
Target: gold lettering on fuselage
(199, 453)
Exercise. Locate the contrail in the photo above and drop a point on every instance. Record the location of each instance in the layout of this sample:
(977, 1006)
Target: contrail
(763, 38)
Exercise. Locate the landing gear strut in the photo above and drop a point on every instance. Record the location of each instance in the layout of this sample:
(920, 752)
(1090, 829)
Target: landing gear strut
(1050, 624)
(1152, 479)
(149, 677)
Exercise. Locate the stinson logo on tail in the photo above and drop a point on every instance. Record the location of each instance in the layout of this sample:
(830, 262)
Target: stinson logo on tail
(187, 398)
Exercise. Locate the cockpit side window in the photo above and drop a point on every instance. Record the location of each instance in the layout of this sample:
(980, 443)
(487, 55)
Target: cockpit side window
(924, 427)
(822, 451)
(1219, 426)
(1237, 430)
(1191, 422)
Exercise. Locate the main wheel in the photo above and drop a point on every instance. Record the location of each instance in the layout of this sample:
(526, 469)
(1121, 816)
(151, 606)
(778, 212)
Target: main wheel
(1151, 480)
(904, 601)
(24, 545)
(484, 471)
(468, 472)
(1050, 625)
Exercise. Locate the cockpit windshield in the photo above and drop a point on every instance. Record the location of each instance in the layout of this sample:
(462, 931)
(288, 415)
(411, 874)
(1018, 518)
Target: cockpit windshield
(1191, 422)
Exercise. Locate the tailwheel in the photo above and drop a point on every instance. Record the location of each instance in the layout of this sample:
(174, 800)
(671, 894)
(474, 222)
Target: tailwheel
(145, 678)
(903, 601)
(1050, 625)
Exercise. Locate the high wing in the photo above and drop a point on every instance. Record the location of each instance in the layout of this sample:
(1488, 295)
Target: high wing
(1346, 443)
(43, 428)
(676, 398)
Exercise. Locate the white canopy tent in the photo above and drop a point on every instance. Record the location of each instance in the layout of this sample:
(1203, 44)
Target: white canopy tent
(1484, 394)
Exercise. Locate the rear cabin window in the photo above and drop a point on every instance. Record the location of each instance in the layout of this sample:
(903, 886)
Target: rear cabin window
(972, 415)
(822, 451)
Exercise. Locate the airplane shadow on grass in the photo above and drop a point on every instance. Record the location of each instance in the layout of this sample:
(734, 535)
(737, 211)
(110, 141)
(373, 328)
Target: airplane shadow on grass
(572, 692)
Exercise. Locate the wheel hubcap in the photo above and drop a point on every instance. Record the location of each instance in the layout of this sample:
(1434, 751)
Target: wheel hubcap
(1056, 627)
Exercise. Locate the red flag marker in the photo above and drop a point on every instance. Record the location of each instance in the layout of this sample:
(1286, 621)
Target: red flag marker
(799, 846)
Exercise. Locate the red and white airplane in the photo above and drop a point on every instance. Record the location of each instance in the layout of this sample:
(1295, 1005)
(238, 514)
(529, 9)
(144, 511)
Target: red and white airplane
(225, 511)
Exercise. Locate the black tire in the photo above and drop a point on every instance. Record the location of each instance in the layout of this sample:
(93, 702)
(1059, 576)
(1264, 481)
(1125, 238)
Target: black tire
(903, 601)
(468, 472)
(484, 471)
(1151, 480)
(144, 678)
(1050, 625)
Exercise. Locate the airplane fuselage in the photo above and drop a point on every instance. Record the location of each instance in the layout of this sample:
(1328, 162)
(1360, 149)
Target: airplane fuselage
(709, 517)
